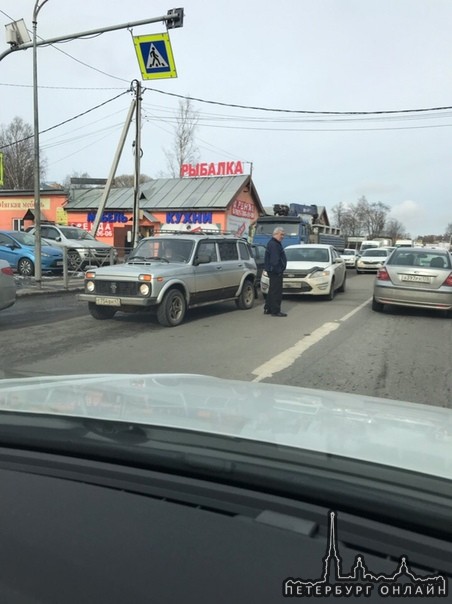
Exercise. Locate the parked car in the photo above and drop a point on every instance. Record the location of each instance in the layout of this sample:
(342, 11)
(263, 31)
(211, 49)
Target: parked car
(371, 260)
(259, 257)
(83, 248)
(415, 277)
(349, 256)
(172, 273)
(18, 248)
(7, 285)
(312, 270)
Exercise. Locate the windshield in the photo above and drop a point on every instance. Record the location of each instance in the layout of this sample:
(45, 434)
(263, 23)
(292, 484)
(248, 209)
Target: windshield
(375, 252)
(348, 253)
(267, 228)
(80, 234)
(170, 250)
(25, 238)
(307, 254)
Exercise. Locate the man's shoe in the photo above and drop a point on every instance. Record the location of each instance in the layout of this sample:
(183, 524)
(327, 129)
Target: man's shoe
(266, 311)
(280, 314)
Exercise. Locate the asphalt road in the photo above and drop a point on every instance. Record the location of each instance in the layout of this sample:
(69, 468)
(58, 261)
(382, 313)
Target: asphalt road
(340, 345)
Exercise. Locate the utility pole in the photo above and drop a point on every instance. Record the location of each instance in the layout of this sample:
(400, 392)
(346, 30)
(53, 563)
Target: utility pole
(37, 165)
(136, 179)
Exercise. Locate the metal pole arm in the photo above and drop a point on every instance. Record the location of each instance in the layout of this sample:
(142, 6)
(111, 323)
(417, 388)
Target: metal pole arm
(170, 17)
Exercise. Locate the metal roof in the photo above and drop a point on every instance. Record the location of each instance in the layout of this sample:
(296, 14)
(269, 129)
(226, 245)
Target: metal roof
(169, 193)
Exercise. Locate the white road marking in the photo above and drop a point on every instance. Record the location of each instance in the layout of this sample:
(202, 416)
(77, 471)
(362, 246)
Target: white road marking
(289, 356)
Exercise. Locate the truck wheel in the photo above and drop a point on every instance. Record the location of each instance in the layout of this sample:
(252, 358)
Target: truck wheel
(171, 311)
(245, 300)
(101, 312)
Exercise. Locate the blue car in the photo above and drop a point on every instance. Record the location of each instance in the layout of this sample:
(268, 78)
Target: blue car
(18, 248)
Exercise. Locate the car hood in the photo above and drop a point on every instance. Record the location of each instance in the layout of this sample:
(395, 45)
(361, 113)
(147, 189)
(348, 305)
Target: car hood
(133, 270)
(85, 243)
(297, 265)
(51, 251)
(405, 435)
(45, 249)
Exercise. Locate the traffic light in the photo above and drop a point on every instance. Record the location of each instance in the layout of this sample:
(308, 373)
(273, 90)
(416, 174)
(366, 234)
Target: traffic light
(177, 20)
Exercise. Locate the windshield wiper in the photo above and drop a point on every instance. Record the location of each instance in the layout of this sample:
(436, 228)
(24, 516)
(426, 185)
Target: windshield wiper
(148, 258)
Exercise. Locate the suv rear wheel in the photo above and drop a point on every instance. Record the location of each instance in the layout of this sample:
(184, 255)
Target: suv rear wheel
(171, 311)
(245, 300)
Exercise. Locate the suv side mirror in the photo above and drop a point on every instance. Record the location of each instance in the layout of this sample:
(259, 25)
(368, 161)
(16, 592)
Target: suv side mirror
(58, 238)
(202, 259)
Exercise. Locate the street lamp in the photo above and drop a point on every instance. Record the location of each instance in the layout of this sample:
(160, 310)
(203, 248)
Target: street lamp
(37, 177)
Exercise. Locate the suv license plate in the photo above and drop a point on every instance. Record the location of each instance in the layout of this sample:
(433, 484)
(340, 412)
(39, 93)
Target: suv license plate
(108, 301)
(416, 278)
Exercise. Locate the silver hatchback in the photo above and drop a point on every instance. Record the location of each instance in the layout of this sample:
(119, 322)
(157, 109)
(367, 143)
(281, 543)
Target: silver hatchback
(415, 277)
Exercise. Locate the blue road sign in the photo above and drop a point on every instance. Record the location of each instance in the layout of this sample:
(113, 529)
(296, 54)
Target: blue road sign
(155, 56)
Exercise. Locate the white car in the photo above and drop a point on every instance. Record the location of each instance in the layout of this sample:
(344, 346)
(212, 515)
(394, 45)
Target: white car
(83, 248)
(312, 270)
(372, 259)
(349, 256)
(7, 285)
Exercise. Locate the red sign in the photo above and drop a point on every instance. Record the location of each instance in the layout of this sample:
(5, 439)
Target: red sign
(222, 168)
(242, 209)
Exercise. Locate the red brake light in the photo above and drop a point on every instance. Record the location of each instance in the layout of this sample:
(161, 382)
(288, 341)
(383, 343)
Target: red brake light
(8, 271)
(448, 281)
(383, 275)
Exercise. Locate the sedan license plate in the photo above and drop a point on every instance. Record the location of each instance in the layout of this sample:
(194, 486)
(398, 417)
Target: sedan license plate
(416, 278)
(293, 285)
(108, 301)
(59, 263)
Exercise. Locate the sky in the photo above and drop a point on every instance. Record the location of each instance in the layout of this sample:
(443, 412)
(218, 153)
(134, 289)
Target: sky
(321, 56)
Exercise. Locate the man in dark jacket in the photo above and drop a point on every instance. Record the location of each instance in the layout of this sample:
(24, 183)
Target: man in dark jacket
(275, 265)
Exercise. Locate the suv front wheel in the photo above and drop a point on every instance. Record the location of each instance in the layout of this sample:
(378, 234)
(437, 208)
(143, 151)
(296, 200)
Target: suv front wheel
(246, 297)
(171, 311)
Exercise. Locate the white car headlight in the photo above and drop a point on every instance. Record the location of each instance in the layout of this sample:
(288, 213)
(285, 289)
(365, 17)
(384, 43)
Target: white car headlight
(320, 274)
(144, 289)
(90, 286)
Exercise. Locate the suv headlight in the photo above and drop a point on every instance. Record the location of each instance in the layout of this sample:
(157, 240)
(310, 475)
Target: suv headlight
(83, 252)
(90, 286)
(145, 288)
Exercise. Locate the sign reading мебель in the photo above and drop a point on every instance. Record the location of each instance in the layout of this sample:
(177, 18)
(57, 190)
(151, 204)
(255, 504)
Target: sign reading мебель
(155, 56)
(222, 168)
(22, 204)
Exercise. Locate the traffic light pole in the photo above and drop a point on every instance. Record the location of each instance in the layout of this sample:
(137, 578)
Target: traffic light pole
(173, 19)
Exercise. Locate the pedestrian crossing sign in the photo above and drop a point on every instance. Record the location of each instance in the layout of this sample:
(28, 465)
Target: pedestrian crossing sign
(155, 56)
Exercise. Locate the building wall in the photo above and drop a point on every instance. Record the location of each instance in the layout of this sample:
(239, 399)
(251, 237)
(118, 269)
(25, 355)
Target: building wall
(14, 207)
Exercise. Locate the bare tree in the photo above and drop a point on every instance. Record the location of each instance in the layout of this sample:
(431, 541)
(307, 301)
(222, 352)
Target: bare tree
(361, 219)
(394, 229)
(16, 144)
(346, 218)
(372, 217)
(127, 180)
(184, 149)
(448, 233)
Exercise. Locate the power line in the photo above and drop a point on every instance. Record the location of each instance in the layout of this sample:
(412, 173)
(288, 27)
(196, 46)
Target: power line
(68, 120)
(299, 111)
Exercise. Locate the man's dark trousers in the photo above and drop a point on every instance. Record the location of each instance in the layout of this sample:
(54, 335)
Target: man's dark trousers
(274, 296)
